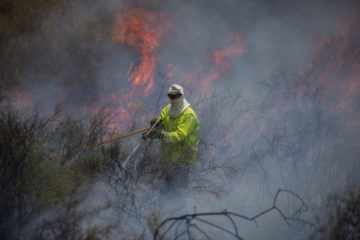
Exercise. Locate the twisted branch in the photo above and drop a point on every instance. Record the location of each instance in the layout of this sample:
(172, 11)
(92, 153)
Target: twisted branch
(190, 220)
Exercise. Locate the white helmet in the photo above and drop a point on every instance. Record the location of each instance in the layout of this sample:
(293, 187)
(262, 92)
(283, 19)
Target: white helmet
(176, 89)
(177, 101)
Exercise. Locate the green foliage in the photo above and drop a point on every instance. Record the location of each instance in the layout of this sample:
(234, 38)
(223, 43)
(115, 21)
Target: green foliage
(56, 181)
(31, 179)
(89, 165)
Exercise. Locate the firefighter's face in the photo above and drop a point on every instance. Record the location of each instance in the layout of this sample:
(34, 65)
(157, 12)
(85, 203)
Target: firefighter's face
(174, 96)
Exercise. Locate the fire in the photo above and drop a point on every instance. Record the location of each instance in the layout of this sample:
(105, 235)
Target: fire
(234, 46)
(217, 64)
(143, 30)
(332, 77)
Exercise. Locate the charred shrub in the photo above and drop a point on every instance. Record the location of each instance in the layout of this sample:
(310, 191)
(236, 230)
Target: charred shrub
(343, 217)
(69, 221)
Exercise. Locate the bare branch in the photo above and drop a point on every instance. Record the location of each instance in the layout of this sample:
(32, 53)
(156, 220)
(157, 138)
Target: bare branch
(190, 218)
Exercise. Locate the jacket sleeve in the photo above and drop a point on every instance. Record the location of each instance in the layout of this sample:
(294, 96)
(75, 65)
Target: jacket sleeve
(163, 114)
(184, 128)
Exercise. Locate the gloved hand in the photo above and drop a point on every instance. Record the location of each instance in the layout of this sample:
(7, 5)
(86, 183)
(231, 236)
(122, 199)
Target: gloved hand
(153, 121)
(155, 133)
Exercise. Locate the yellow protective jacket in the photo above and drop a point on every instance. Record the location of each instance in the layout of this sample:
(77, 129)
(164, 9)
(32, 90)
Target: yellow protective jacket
(179, 137)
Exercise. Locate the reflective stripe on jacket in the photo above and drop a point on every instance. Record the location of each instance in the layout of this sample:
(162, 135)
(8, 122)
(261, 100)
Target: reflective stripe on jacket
(179, 136)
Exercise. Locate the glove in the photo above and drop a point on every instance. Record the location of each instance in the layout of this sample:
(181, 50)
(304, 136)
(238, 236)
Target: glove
(154, 134)
(153, 121)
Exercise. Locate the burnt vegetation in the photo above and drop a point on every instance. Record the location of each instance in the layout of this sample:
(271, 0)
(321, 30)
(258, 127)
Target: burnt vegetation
(194, 225)
(34, 181)
(42, 192)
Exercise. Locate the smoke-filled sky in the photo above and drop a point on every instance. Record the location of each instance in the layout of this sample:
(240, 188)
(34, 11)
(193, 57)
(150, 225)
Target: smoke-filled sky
(73, 51)
(275, 84)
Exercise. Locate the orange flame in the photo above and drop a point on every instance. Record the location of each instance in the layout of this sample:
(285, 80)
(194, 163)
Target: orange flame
(219, 64)
(333, 75)
(143, 30)
(234, 47)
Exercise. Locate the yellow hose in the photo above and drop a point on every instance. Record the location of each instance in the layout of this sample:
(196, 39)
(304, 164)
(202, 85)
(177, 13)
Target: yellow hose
(102, 143)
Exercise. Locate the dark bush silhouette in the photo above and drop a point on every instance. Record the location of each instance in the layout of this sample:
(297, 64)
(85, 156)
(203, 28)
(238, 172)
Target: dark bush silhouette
(342, 220)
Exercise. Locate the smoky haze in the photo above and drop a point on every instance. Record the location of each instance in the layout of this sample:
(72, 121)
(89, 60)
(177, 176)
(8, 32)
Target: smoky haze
(267, 111)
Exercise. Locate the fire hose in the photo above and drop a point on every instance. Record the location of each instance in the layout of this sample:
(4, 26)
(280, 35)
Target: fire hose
(136, 149)
(148, 129)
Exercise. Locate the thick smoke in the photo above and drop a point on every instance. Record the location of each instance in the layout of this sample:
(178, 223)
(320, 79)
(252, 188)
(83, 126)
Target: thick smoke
(273, 111)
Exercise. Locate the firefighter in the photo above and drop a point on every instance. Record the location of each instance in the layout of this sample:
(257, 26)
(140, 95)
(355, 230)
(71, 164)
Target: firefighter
(178, 130)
